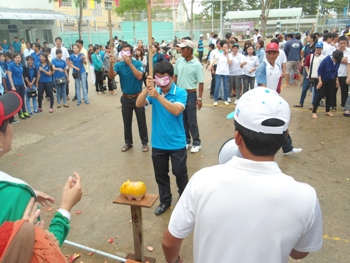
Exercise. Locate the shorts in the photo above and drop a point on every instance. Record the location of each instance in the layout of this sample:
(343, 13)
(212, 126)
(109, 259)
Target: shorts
(292, 65)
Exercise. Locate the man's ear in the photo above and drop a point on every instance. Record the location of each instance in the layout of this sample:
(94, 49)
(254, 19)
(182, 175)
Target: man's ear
(238, 138)
(173, 78)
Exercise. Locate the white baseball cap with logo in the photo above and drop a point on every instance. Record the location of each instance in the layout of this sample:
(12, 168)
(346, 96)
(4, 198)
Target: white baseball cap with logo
(187, 43)
(258, 105)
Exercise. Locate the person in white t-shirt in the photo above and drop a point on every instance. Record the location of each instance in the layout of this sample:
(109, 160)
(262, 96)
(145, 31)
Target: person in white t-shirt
(256, 35)
(223, 60)
(236, 73)
(247, 210)
(249, 64)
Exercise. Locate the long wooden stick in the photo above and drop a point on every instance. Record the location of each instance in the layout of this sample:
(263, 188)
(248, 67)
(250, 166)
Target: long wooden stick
(150, 56)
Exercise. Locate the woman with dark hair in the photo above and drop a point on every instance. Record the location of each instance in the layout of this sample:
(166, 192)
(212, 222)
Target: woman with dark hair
(91, 69)
(98, 69)
(157, 56)
(249, 64)
(246, 45)
(61, 78)
(139, 55)
(260, 52)
(44, 81)
(106, 64)
(77, 62)
(15, 76)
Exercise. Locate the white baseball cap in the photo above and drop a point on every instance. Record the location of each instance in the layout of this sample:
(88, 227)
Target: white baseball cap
(258, 105)
(201, 35)
(187, 43)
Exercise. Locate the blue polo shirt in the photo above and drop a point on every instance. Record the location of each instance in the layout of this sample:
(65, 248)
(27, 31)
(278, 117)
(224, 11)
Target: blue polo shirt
(168, 132)
(17, 46)
(77, 62)
(128, 82)
(3, 65)
(36, 58)
(2, 75)
(59, 64)
(200, 45)
(44, 77)
(17, 73)
(5, 47)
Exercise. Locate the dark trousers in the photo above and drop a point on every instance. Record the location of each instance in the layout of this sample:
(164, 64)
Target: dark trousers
(344, 89)
(128, 107)
(20, 91)
(190, 119)
(248, 83)
(98, 81)
(200, 56)
(212, 84)
(67, 84)
(160, 160)
(325, 90)
(48, 88)
(287, 146)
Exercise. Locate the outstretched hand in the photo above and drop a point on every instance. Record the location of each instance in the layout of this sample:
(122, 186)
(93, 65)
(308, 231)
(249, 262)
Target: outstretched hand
(32, 213)
(44, 199)
(72, 192)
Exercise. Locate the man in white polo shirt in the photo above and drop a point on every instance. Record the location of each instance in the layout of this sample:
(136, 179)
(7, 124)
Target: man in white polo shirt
(247, 210)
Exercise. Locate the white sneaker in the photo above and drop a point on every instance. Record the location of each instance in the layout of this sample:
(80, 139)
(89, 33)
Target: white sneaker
(229, 100)
(215, 103)
(195, 148)
(187, 146)
(226, 103)
(236, 102)
(293, 151)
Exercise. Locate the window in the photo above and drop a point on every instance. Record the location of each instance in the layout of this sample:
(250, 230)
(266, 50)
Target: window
(98, 9)
(47, 35)
(67, 3)
(4, 34)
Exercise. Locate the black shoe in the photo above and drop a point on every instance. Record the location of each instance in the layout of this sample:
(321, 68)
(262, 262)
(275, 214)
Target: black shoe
(14, 121)
(161, 209)
(75, 98)
(298, 106)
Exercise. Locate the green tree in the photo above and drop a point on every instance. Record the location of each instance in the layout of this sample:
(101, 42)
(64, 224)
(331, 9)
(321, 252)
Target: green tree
(132, 7)
(80, 4)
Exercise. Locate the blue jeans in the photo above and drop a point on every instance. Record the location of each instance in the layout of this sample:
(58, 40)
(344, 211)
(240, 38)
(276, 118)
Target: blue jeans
(304, 89)
(61, 91)
(35, 104)
(80, 83)
(347, 104)
(190, 119)
(218, 79)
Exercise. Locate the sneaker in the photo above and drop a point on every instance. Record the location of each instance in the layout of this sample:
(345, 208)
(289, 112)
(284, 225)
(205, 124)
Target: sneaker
(31, 113)
(293, 151)
(37, 111)
(215, 103)
(21, 116)
(236, 102)
(226, 103)
(26, 114)
(346, 114)
(51, 110)
(229, 100)
(195, 148)
(14, 121)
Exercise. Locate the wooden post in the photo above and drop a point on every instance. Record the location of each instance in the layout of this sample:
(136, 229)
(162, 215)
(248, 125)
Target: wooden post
(111, 40)
(137, 230)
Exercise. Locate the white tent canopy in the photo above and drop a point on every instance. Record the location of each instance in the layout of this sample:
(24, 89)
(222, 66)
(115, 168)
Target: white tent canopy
(274, 13)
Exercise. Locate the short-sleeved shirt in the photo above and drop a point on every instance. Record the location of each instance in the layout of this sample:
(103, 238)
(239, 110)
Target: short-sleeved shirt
(65, 53)
(252, 62)
(128, 82)
(168, 132)
(223, 65)
(189, 73)
(6, 47)
(268, 75)
(235, 67)
(36, 57)
(44, 77)
(59, 64)
(17, 73)
(17, 46)
(78, 62)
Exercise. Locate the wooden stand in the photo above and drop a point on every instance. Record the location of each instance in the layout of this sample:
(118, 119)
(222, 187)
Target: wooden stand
(136, 217)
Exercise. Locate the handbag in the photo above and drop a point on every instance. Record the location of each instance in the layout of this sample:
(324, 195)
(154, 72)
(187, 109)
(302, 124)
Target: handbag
(32, 93)
(61, 80)
(76, 75)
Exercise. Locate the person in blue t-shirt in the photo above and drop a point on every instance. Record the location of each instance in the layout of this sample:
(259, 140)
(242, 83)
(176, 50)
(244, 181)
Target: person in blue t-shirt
(130, 73)
(60, 77)
(44, 81)
(98, 69)
(200, 48)
(30, 75)
(15, 76)
(168, 131)
(77, 62)
(16, 45)
(5, 46)
(36, 54)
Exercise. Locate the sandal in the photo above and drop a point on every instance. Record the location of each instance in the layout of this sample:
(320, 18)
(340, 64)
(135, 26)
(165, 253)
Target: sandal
(59, 106)
(65, 105)
(314, 115)
(126, 147)
(145, 148)
(298, 106)
(329, 114)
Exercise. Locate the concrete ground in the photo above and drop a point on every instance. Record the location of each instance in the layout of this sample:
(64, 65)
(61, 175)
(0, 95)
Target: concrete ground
(87, 139)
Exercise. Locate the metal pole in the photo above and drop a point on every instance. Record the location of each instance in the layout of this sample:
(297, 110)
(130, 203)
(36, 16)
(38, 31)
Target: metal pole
(150, 56)
(279, 4)
(99, 252)
(212, 16)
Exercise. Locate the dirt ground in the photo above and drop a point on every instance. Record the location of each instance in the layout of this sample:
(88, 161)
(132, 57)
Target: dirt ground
(87, 139)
